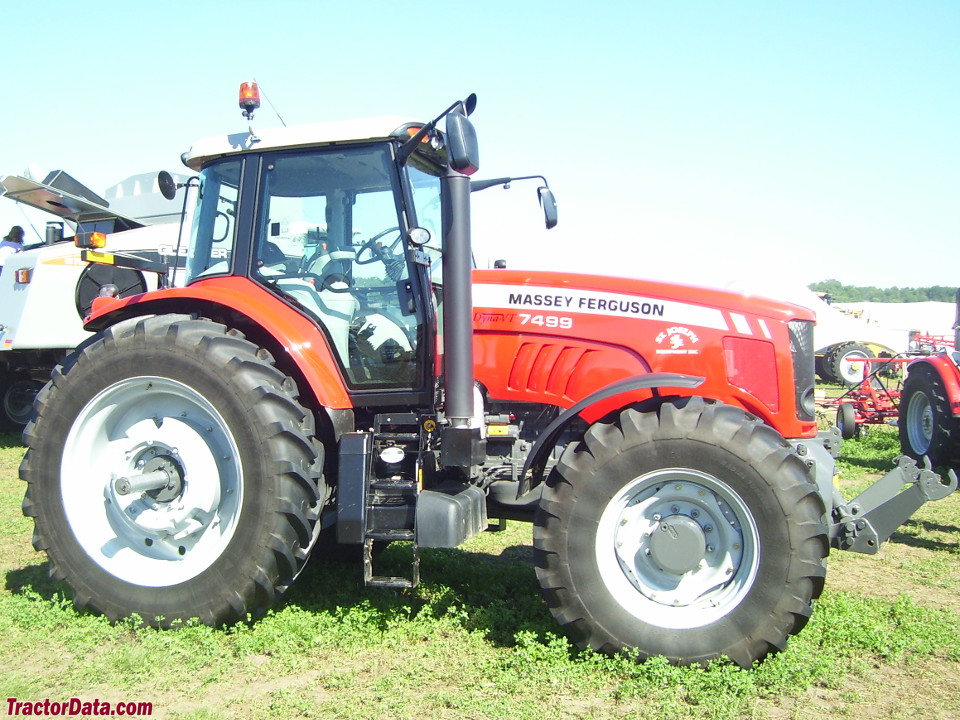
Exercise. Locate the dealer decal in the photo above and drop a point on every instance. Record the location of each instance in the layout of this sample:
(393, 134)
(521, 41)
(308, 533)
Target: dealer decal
(592, 302)
(677, 341)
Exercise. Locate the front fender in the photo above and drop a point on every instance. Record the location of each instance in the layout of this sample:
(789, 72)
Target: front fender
(544, 443)
(234, 299)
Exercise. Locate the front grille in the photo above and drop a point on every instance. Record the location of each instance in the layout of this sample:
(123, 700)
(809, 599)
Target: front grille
(802, 350)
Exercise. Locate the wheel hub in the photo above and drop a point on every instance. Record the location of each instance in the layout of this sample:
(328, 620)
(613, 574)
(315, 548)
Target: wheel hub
(680, 541)
(153, 501)
(678, 544)
(151, 481)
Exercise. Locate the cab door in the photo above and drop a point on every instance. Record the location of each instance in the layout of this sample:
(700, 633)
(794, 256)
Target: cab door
(330, 232)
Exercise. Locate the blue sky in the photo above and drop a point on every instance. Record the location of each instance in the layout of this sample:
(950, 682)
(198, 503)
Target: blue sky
(755, 143)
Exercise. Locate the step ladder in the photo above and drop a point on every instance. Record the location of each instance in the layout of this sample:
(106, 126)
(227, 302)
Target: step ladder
(391, 497)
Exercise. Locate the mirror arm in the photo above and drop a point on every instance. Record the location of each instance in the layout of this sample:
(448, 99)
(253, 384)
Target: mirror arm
(478, 185)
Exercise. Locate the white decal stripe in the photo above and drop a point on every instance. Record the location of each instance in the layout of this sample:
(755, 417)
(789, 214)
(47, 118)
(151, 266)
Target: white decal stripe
(741, 324)
(765, 329)
(591, 302)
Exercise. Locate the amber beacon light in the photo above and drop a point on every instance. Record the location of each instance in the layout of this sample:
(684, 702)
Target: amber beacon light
(249, 98)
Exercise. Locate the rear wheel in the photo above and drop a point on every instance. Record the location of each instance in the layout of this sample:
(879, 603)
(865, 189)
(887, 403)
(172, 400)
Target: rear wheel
(822, 369)
(17, 392)
(691, 531)
(925, 424)
(848, 363)
(172, 474)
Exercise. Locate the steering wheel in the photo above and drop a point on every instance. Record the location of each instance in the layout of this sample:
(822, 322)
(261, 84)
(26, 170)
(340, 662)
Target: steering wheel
(377, 252)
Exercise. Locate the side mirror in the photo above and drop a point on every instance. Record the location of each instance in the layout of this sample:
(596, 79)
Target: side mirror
(462, 147)
(549, 205)
(168, 186)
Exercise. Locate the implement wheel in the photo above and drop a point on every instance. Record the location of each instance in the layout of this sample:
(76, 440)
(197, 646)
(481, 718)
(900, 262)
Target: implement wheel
(172, 474)
(691, 531)
(847, 421)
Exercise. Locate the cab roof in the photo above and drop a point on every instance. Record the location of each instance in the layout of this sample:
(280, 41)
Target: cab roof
(363, 130)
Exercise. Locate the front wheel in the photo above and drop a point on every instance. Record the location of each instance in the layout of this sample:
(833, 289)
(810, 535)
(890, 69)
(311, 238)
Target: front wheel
(690, 531)
(172, 474)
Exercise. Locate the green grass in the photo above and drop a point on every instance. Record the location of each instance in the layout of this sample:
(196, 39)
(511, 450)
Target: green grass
(476, 641)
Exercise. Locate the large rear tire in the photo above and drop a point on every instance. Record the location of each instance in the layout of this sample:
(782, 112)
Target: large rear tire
(848, 363)
(172, 474)
(691, 531)
(925, 424)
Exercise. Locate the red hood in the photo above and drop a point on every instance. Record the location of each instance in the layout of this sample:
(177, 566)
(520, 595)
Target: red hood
(559, 283)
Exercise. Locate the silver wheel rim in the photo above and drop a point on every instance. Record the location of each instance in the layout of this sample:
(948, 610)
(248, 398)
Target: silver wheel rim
(851, 370)
(130, 430)
(678, 548)
(920, 422)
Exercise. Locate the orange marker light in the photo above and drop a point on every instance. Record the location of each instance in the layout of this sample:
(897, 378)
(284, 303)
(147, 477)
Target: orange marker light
(91, 240)
(414, 129)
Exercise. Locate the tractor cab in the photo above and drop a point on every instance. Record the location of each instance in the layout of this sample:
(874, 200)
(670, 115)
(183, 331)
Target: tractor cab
(348, 235)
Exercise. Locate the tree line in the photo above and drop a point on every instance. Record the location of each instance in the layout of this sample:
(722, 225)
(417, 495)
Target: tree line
(852, 293)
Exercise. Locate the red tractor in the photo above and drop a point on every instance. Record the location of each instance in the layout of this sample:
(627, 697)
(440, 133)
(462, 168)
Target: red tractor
(929, 421)
(335, 367)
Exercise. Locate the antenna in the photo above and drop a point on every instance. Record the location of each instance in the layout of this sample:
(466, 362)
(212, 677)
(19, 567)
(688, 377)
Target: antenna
(263, 92)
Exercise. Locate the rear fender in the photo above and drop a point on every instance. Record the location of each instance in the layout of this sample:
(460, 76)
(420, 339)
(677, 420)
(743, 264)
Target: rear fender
(946, 368)
(240, 303)
(545, 442)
